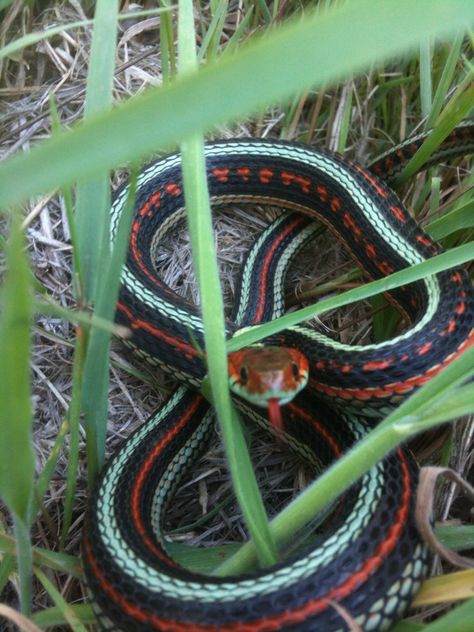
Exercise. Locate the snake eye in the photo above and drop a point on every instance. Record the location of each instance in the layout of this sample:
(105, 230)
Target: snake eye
(244, 375)
(296, 371)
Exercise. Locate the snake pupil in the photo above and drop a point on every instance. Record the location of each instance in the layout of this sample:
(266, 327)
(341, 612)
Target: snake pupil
(296, 371)
(244, 375)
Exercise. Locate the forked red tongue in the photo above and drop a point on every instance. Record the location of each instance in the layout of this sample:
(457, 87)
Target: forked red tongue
(274, 414)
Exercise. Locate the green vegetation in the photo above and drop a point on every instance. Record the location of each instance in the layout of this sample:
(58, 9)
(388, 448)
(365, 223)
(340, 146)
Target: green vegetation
(340, 74)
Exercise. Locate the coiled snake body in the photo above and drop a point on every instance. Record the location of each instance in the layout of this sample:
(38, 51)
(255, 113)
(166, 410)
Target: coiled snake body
(372, 561)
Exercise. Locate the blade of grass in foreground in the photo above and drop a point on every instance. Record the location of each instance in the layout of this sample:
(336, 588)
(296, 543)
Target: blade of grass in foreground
(451, 258)
(93, 195)
(202, 241)
(352, 35)
(96, 373)
(17, 460)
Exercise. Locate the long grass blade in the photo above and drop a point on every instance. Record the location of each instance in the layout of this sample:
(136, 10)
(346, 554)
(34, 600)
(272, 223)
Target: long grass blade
(96, 370)
(93, 195)
(70, 616)
(352, 35)
(444, 261)
(17, 459)
(445, 81)
(202, 240)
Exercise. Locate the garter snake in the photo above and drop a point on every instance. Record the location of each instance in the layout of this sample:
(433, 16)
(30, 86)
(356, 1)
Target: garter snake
(372, 561)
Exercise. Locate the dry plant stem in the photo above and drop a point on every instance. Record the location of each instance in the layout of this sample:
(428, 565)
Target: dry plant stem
(424, 511)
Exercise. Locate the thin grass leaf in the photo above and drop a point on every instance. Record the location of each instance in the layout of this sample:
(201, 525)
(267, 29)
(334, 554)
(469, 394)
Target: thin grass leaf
(70, 616)
(202, 241)
(346, 118)
(459, 619)
(434, 392)
(200, 560)
(425, 78)
(458, 404)
(17, 459)
(408, 626)
(43, 557)
(74, 420)
(7, 568)
(456, 537)
(24, 564)
(54, 616)
(444, 261)
(461, 216)
(16, 452)
(446, 80)
(46, 475)
(237, 35)
(352, 35)
(435, 193)
(168, 59)
(210, 43)
(262, 5)
(93, 195)
(96, 369)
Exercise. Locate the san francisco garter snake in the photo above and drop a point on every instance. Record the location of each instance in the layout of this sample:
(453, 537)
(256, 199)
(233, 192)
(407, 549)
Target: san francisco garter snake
(372, 561)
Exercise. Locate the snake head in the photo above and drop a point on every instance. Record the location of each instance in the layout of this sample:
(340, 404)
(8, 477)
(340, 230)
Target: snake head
(268, 376)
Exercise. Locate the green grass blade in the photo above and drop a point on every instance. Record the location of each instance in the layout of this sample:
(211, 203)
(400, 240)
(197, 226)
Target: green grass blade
(7, 568)
(213, 34)
(93, 195)
(459, 619)
(346, 119)
(168, 61)
(16, 452)
(49, 307)
(408, 626)
(56, 561)
(460, 216)
(426, 87)
(74, 421)
(200, 560)
(70, 615)
(456, 537)
(54, 617)
(444, 261)
(202, 241)
(438, 389)
(17, 459)
(445, 81)
(96, 369)
(24, 562)
(33, 38)
(48, 470)
(352, 35)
